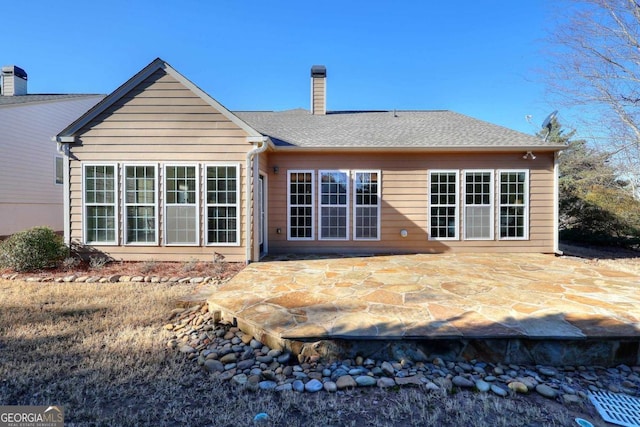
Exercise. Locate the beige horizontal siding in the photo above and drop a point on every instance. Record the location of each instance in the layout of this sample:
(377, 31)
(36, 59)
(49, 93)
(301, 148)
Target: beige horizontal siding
(404, 203)
(160, 122)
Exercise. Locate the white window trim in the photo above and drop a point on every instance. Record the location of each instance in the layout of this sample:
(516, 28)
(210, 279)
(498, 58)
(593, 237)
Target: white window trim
(207, 205)
(55, 167)
(166, 205)
(321, 205)
(527, 201)
(125, 204)
(457, 205)
(378, 205)
(313, 207)
(463, 186)
(85, 204)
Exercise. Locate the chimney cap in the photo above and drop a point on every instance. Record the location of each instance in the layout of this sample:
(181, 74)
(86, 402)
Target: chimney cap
(14, 70)
(318, 71)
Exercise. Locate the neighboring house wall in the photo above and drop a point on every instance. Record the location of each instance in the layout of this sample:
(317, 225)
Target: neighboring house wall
(160, 122)
(405, 200)
(29, 195)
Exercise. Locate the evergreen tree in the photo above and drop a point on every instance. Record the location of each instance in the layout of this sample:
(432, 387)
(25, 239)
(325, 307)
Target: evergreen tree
(596, 206)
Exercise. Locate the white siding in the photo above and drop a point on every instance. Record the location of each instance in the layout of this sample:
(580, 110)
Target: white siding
(28, 193)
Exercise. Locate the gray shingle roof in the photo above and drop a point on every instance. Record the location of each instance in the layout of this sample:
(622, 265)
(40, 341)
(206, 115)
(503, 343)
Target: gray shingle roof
(25, 99)
(386, 129)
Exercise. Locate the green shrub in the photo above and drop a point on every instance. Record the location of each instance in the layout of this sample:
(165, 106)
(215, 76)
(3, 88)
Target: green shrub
(34, 249)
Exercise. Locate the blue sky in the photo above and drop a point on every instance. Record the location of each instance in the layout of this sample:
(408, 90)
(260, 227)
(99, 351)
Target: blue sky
(480, 58)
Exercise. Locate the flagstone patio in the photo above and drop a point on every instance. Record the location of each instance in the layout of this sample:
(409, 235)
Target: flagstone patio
(524, 298)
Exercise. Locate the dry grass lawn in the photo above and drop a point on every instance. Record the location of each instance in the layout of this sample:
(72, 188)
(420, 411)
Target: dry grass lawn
(100, 351)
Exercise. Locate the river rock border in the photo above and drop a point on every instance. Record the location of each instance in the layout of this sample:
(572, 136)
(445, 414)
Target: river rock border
(227, 353)
(113, 278)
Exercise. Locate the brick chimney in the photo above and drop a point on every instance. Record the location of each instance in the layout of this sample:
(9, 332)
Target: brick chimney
(14, 81)
(318, 90)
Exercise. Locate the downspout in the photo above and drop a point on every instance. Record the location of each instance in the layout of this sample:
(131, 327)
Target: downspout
(556, 203)
(63, 149)
(251, 173)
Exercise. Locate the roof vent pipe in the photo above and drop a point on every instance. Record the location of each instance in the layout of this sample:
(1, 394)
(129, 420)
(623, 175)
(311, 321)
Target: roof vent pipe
(318, 90)
(14, 81)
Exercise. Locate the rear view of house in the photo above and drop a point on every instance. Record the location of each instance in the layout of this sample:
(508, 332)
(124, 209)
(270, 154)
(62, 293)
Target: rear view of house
(159, 169)
(31, 176)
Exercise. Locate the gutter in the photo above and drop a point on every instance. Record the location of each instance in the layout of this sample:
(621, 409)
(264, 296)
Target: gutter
(251, 168)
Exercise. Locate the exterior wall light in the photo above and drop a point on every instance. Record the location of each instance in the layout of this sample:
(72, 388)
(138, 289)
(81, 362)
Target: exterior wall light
(404, 233)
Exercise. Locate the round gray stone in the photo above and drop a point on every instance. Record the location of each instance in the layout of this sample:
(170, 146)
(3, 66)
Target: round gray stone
(546, 391)
(240, 379)
(246, 364)
(229, 358)
(284, 358)
(431, 386)
(264, 359)
(313, 386)
(330, 386)
(346, 381)
(298, 385)
(483, 386)
(499, 390)
(267, 385)
(462, 382)
(387, 369)
(547, 371)
(212, 365)
(284, 387)
(365, 381)
(187, 349)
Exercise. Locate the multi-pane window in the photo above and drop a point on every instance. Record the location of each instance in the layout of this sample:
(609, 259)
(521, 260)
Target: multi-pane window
(100, 204)
(300, 205)
(222, 186)
(443, 204)
(334, 196)
(140, 204)
(181, 205)
(478, 205)
(514, 204)
(367, 205)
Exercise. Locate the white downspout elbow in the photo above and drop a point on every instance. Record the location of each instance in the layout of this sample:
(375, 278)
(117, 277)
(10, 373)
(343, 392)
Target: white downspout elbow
(250, 177)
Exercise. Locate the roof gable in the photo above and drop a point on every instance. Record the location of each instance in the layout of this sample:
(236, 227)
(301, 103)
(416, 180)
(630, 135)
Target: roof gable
(158, 64)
